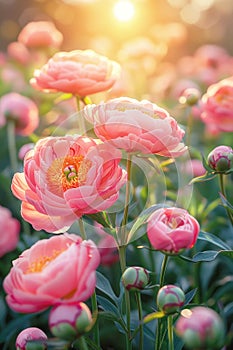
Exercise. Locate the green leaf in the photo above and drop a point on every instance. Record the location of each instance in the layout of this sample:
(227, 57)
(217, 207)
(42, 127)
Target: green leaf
(101, 218)
(141, 220)
(153, 316)
(15, 326)
(210, 238)
(206, 177)
(102, 283)
(108, 306)
(189, 296)
(225, 202)
(208, 255)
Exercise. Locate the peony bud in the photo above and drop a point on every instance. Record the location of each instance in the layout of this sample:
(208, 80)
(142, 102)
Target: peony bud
(201, 328)
(170, 299)
(30, 334)
(135, 278)
(220, 159)
(190, 96)
(69, 321)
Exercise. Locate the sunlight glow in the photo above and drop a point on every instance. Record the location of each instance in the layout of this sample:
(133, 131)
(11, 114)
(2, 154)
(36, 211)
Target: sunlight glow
(124, 10)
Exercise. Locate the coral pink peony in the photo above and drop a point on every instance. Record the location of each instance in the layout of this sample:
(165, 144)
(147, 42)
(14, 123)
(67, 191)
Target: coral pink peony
(77, 72)
(65, 178)
(30, 334)
(22, 110)
(136, 126)
(61, 269)
(10, 228)
(217, 105)
(40, 34)
(172, 229)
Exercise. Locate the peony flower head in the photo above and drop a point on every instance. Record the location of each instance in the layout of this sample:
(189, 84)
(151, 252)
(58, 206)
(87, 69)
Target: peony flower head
(28, 334)
(201, 328)
(172, 229)
(10, 228)
(65, 178)
(220, 159)
(136, 126)
(79, 72)
(135, 278)
(217, 105)
(38, 34)
(61, 269)
(22, 110)
(69, 321)
(170, 299)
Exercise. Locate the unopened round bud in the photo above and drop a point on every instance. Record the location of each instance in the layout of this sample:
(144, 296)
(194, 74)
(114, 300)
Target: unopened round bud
(70, 321)
(170, 299)
(30, 334)
(135, 278)
(220, 159)
(190, 96)
(201, 328)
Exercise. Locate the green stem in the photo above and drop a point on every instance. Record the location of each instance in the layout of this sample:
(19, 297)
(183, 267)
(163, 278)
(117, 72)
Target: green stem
(161, 283)
(222, 188)
(170, 332)
(96, 332)
(82, 229)
(12, 145)
(127, 198)
(139, 305)
(82, 344)
(122, 256)
(81, 119)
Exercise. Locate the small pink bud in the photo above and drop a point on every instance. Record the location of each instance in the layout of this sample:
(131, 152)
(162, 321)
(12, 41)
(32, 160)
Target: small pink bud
(70, 321)
(220, 159)
(201, 328)
(190, 96)
(135, 278)
(170, 299)
(30, 334)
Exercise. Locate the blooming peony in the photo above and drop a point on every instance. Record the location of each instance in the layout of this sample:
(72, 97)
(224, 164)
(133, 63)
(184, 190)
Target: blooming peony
(217, 105)
(40, 34)
(65, 178)
(10, 228)
(172, 229)
(136, 126)
(22, 110)
(61, 269)
(77, 72)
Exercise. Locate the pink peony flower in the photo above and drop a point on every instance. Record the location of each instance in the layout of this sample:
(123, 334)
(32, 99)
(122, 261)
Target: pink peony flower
(19, 52)
(136, 126)
(29, 334)
(172, 229)
(217, 105)
(61, 269)
(201, 328)
(40, 34)
(10, 228)
(65, 178)
(22, 110)
(107, 247)
(77, 72)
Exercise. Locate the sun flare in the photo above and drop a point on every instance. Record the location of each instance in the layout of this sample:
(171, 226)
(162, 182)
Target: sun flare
(124, 10)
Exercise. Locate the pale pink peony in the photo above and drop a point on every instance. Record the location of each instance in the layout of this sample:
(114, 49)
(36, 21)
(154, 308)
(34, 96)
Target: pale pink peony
(28, 334)
(172, 229)
(79, 72)
(107, 246)
(19, 52)
(40, 34)
(10, 229)
(22, 110)
(136, 126)
(65, 178)
(217, 105)
(61, 269)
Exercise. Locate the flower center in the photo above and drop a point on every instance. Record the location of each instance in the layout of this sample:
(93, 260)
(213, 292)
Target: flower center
(42, 262)
(66, 173)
